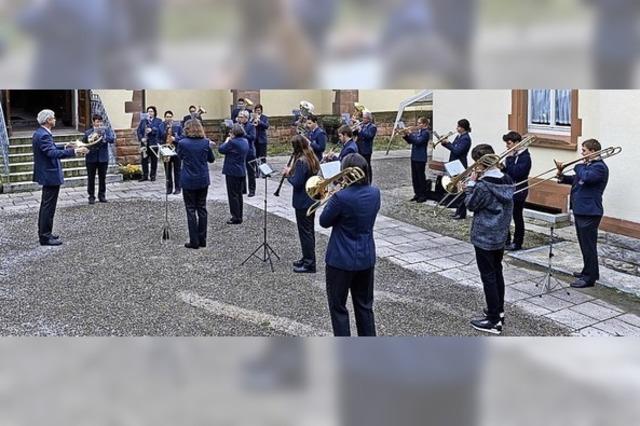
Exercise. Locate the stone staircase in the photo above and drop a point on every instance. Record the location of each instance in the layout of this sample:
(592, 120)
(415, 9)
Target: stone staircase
(21, 166)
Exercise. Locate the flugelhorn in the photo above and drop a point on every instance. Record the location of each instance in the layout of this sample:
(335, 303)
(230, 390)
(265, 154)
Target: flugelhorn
(321, 190)
(94, 140)
(442, 138)
(560, 167)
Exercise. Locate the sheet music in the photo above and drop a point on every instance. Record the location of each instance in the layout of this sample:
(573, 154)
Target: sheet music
(330, 169)
(165, 151)
(454, 168)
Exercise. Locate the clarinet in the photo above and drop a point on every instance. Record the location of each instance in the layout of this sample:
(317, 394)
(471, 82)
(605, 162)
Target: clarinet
(277, 193)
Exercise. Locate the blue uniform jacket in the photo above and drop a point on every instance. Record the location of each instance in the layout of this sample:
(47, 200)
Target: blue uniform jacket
(250, 136)
(587, 187)
(235, 156)
(364, 138)
(518, 167)
(318, 139)
(100, 155)
(195, 154)
(418, 141)
(352, 213)
(459, 148)
(156, 137)
(298, 179)
(47, 168)
(261, 130)
(176, 129)
(349, 148)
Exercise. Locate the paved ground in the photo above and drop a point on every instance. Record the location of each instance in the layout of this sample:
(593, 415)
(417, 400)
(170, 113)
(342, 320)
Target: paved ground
(114, 277)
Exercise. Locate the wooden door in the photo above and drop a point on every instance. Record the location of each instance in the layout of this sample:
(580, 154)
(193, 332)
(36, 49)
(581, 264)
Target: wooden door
(6, 108)
(84, 109)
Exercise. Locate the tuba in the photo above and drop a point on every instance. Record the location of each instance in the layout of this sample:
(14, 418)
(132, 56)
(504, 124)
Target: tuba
(321, 190)
(306, 109)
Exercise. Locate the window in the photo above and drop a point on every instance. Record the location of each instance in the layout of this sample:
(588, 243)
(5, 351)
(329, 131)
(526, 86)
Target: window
(549, 111)
(551, 115)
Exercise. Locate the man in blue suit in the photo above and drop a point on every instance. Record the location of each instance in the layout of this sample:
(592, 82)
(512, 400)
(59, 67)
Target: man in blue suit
(345, 137)
(150, 133)
(98, 160)
(418, 141)
(173, 134)
(365, 133)
(47, 171)
(316, 135)
(240, 106)
(235, 150)
(459, 150)
(351, 254)
(517, 167)
(250, 136)
(261, 123)
(587, 186)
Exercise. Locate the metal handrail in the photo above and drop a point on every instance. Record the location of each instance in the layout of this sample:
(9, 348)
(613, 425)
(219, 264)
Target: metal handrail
(97, 107)
(4, 144)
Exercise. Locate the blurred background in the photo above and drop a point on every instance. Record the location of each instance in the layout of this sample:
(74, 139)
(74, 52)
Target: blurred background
(318, 43)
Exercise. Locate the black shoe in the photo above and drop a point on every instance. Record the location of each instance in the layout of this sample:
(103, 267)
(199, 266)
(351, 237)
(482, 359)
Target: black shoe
(487, 325)
(578, 274)
(581, 283)
(177, 192)
(188, 245)
(51, 242)
(92, 200)
(304, 270)
(421, 200)
(203, 244)
(153, 179)
(169, 192)
(234, 222)
(103, 200)
(501, 315)
(513, 247)
(252, 194)
(415, 197)
(144, 179)
(55, 237)
(298, 263)
(457, 217)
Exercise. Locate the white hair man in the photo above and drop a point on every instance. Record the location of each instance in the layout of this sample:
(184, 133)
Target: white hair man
(250, 135)
(47, 171)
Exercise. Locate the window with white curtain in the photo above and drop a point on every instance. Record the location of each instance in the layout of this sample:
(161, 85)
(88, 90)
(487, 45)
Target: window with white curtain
(550, 110)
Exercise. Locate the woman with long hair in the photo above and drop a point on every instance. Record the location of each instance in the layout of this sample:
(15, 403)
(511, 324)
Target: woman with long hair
(305, 165)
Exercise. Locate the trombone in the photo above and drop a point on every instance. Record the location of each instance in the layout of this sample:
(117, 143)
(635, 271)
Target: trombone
(321, 190)
(560, 167)
(451, 184)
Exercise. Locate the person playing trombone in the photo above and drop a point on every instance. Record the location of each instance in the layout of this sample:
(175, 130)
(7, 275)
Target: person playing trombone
(459, 150)
(587, 186)
(305, 165)
(517, 166)
(365, 132)
(418, 139)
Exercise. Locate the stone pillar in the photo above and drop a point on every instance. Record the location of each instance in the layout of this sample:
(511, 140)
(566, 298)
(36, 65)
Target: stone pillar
(344, 100)
(254, 95)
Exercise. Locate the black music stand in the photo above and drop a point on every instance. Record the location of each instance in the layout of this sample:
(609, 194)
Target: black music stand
(265, 173)
(545, 280)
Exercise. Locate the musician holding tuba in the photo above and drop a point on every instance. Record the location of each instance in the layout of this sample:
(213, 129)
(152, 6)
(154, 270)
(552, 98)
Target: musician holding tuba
(97, 159)
(305, 165)
(365, 132)
(173, 132)
(193, 113)
(150, 133)
(261, 123)
(351, 254)
(316, 135)
(459, 150)
(241, 105)
(235, 150)
(418, 139)
(517, 165)
(587, 186)
(489, 195)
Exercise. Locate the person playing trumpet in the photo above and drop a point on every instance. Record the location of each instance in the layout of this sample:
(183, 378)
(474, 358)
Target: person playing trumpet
(47, 171)
(305, 164)
(261, 123)
(316, 135)
(587, 186)
(365, 132)
(348, 145)
(173, 134)
(98, 159)
(418, 139)
(489, 195)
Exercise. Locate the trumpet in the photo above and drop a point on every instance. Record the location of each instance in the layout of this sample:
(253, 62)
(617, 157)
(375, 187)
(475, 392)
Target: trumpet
(407, 130)
(321, 190)
(442, 138)
(560, 167)
(256, 119)
(452, 184)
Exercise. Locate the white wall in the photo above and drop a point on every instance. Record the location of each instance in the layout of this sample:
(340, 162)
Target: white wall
(113, 101)
(384, 100)
(216, 102)
(282, 102)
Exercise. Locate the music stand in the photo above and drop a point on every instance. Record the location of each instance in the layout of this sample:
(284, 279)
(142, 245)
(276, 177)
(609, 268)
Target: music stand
(265, 173)
(165, 152)
(545, 280)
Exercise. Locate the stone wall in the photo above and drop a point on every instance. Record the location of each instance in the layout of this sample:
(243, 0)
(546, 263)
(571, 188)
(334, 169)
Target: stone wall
(619, 252)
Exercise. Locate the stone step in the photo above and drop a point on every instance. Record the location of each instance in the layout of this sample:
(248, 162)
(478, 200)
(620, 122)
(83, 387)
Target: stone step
(27, 166)
(68, 173)
(27, 139)
(68, 182)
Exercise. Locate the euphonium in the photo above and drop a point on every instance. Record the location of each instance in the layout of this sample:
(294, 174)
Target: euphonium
(321, 190)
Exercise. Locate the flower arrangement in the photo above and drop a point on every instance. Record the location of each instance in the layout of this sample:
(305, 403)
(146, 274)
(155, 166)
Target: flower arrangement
(130, 171)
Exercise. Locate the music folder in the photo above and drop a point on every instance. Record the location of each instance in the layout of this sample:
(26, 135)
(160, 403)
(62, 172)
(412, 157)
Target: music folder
(330, 169)
(165, 151)
(454, 168)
